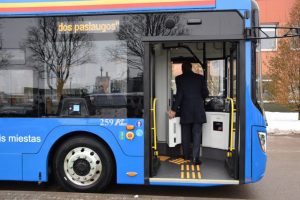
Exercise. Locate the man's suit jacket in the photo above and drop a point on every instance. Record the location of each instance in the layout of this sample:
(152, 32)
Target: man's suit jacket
(191, 92)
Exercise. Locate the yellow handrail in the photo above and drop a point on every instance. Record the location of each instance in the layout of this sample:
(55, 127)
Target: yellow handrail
(232, 130)
(153, 109)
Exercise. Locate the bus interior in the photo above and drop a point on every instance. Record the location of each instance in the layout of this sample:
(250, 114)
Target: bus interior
(217, 62)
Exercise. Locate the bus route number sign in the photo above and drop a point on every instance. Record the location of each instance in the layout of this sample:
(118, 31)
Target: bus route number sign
(112, 122)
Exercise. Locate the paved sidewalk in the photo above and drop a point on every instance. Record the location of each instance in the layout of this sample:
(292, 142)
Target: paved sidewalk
(42, 195)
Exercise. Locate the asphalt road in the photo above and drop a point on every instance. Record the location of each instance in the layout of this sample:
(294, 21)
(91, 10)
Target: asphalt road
(282, 181)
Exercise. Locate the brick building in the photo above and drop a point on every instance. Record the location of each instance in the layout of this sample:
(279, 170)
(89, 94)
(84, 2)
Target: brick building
(272, 13)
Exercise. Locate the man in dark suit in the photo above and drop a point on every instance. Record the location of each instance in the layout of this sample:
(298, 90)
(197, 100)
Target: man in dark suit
(191, 92)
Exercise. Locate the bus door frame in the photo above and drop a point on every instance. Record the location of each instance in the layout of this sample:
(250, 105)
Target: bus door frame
(240, 139)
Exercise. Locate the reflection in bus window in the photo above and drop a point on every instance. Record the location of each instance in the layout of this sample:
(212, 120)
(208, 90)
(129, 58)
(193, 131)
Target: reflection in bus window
(94, 70)
(17, 98)
(215, 77)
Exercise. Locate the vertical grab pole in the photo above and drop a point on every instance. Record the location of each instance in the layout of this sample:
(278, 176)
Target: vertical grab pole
(232, 130)
(153, 109)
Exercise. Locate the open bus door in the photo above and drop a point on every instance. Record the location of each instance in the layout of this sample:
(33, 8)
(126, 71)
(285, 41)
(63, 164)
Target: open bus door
(165, 152)
(155, 162)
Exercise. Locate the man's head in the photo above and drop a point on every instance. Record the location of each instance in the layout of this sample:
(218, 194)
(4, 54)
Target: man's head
(186, 67)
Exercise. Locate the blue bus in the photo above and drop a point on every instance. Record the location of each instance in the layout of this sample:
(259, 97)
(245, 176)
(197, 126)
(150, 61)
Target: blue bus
(85, 87)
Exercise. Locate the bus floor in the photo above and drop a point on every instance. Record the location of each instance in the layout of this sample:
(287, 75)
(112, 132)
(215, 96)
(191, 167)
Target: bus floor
(178, 168)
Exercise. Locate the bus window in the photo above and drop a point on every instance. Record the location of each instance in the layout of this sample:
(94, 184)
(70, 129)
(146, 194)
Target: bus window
(215, 78)
(18, 99)
(62, 65)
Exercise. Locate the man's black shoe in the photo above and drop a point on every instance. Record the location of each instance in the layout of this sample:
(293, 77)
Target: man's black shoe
(196, 161)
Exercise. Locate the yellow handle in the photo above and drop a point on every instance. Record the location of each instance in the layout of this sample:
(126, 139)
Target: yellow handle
(154, 124)
(232, 130)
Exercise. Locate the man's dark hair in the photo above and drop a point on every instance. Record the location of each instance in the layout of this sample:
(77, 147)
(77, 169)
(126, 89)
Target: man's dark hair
(186, 67)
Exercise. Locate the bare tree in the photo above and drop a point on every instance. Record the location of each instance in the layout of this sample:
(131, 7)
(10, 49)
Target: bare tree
(284, 67)
(134, 27)
(4, 56)
(57, 51)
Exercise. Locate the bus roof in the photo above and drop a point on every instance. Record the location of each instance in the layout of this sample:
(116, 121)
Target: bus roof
(66, 7)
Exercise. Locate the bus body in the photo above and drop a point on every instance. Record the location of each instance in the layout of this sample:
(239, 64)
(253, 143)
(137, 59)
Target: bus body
(85, 86)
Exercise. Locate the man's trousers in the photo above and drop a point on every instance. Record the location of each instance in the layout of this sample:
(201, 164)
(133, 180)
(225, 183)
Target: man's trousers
(188, 131)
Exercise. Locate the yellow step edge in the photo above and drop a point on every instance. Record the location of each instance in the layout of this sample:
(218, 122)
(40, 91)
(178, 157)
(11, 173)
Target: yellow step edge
(194, 175)
(187, 175)
(188, 168)
(199, 175)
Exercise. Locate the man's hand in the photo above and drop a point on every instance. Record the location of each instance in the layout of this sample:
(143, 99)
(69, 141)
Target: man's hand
(171, 114)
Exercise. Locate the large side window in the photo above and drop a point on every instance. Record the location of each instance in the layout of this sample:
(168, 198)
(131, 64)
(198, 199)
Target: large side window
(68, 67)
(19, 96)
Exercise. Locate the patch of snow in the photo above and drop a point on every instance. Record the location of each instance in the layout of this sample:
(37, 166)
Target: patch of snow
(283, 123)
(281, 116)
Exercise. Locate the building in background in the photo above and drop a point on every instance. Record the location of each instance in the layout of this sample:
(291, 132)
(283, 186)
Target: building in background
(272, 13)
